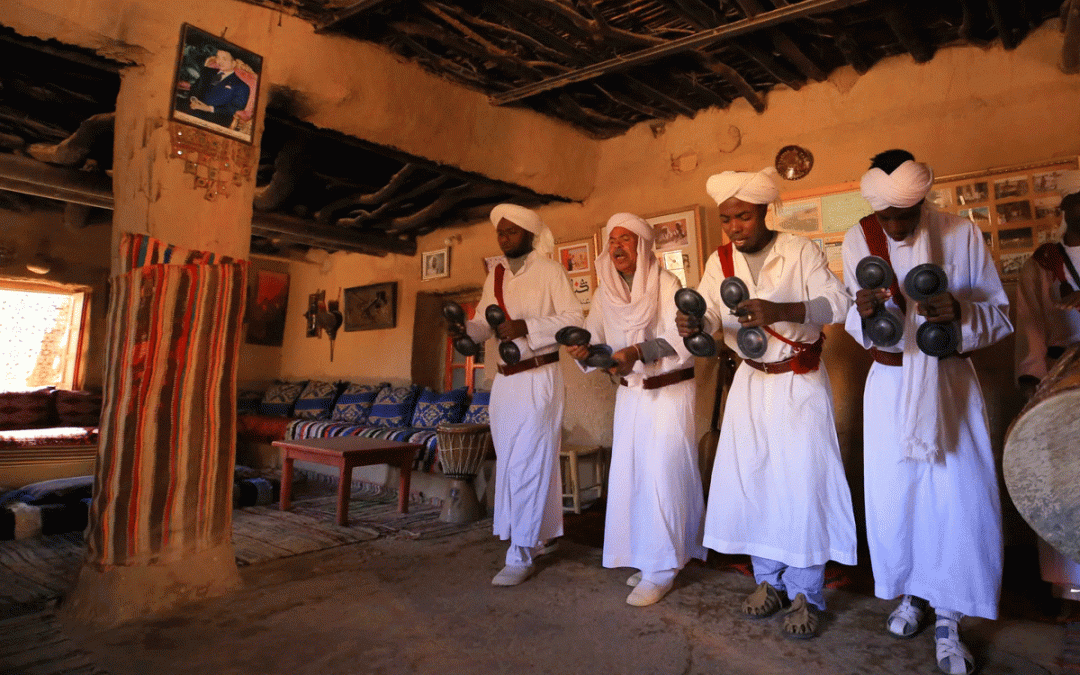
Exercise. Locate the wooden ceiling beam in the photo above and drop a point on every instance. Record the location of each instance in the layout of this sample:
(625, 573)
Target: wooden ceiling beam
(906, 33)
(634, 104)
(669, 101)
(672, 47)
(735, 80)
(1001, 23)
(1070, 47)
(346, 13)
(331, 236)
(784, 44)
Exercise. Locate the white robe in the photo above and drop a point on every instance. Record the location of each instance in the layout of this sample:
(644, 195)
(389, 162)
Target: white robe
(526, 409)
(778, 488)
(1041, 323)
(655, 505)
(934, 527)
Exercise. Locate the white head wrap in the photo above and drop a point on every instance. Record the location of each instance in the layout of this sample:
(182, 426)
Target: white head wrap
(906, 186)
(633, 309)
(543, 241)
(752, 187)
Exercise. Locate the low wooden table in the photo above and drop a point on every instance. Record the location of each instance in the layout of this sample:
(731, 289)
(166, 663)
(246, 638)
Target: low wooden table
(346, 453)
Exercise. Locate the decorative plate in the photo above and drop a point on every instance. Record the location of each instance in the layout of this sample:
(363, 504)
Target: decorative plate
(793, 162)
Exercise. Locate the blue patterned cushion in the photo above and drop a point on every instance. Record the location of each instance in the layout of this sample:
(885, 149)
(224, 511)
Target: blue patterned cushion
(279, 399)
(316, 401)
(393, 407)
(354, 404)
(433, 409)
(478, 409)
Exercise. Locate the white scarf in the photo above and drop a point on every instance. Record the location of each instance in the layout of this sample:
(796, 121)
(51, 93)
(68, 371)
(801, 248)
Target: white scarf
(632, 310)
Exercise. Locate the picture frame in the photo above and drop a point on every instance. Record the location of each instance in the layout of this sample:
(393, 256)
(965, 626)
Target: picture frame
(216, 85)
(268, 306)
(576, 257)
(435, 264)
(371, 307)
(680, 230)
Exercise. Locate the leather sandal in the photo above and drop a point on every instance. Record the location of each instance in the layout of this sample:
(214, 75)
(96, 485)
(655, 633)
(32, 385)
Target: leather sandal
(801, 621)
(763, 602)
(906, 620)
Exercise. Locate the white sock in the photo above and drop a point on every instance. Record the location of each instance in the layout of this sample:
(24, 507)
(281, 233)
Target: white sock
(519, 556)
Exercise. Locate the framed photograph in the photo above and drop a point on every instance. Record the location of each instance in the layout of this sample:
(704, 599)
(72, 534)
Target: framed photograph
(1011, 212)
(435, 264)
(1047, 207)
(1046, 182)
(980, 215)
(267, 311)
(972, 193)
(680, 231)
(834, 254)
(575, 257)
(216, 85)
(675, 260)
(1019, 237)
(1011, 264)
(371, 307)
(798, 217)
(1014, 186)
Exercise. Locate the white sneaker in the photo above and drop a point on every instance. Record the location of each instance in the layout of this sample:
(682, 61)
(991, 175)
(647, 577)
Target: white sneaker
(512, 575)
(647, 593)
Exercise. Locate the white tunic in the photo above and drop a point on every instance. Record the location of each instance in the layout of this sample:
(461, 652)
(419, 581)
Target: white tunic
(526, 408)
(934, 527)
(778, 488)
(655, 505)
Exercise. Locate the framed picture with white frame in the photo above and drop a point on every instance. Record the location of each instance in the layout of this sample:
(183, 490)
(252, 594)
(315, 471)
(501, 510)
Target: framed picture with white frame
(435, 264)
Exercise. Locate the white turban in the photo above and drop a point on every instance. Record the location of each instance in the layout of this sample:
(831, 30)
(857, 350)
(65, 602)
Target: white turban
(1068, 183)
(633, 309)
(527, 219)
(906, 186)
(753, 187)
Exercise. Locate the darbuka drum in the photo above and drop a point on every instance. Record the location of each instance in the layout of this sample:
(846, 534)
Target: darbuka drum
(1042, 457)
(462, 450)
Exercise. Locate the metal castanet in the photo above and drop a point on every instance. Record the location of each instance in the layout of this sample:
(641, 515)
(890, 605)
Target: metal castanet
(689, 302)
(922, 283)
(1041, 465)
(599, 355)
(509, 352)
(882, 327)
(455, 316)
(751, 341)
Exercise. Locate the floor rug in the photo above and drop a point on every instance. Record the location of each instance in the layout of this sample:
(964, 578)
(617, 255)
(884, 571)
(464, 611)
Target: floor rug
(379, 512)
(35, 645)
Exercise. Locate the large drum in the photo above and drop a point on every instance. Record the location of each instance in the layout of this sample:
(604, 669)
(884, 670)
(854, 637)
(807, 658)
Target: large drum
(462, 450)
(1042, 457)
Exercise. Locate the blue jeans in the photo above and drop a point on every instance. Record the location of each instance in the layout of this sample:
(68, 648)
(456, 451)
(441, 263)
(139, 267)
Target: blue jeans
(810, 581)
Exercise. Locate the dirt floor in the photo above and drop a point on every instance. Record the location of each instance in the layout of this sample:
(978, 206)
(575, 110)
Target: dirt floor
(405, 606)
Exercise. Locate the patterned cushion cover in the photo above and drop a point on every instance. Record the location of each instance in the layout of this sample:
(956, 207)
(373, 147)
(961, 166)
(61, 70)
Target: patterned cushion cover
(393, 407)
(478, 409)
(279, 399)
(354, 404)
(433, 409)
(77, 408)
(24, 409)
(316, 401)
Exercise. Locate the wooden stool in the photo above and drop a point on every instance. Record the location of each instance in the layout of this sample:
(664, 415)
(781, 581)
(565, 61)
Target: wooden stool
(572, 489)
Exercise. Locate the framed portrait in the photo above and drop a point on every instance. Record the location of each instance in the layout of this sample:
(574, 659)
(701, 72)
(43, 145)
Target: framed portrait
(216, 85)
(798, 217)
(270, 300)
(371, 307)
(679, 232)
(576, 257)
(435, 264)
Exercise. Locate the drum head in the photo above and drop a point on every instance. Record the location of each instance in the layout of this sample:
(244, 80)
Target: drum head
(462, 427)
(700, 344)
(733, 290)
(453, 313)
(874, 272)
(925, 281)
(884, 328)
(573, 335)
(599, 357)
(688, 301)
(938, 339)
(752, 342)
(509, 352)
(494, 315)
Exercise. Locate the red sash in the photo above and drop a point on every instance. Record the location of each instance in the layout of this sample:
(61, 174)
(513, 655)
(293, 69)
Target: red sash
(875, 241)
(1052, 258)
(807, 356)
(499, 272)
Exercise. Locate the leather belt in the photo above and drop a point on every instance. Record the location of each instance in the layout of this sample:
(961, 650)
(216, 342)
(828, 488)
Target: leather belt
(670, 377)
(774, 368)
(896, 359)
(529, 364)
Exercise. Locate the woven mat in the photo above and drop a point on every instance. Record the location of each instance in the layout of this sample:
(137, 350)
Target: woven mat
(379, 512)
(34, 645)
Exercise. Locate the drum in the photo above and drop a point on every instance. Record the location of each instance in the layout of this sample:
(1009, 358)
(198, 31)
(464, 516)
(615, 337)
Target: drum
(1042, 457)
(462, 450)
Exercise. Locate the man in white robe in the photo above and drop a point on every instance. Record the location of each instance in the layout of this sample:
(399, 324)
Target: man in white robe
(526, 407)
(1048, 322)
(933, 515)
(654, 505)
(778, 490)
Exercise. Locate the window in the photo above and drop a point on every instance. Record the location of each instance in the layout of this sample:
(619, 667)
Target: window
(41, 336)
(463, 371)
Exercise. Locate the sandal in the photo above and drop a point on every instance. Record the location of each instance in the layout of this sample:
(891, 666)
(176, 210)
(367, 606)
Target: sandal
(906, 620)
(953, 657)
(763, 602)
(801, 621)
